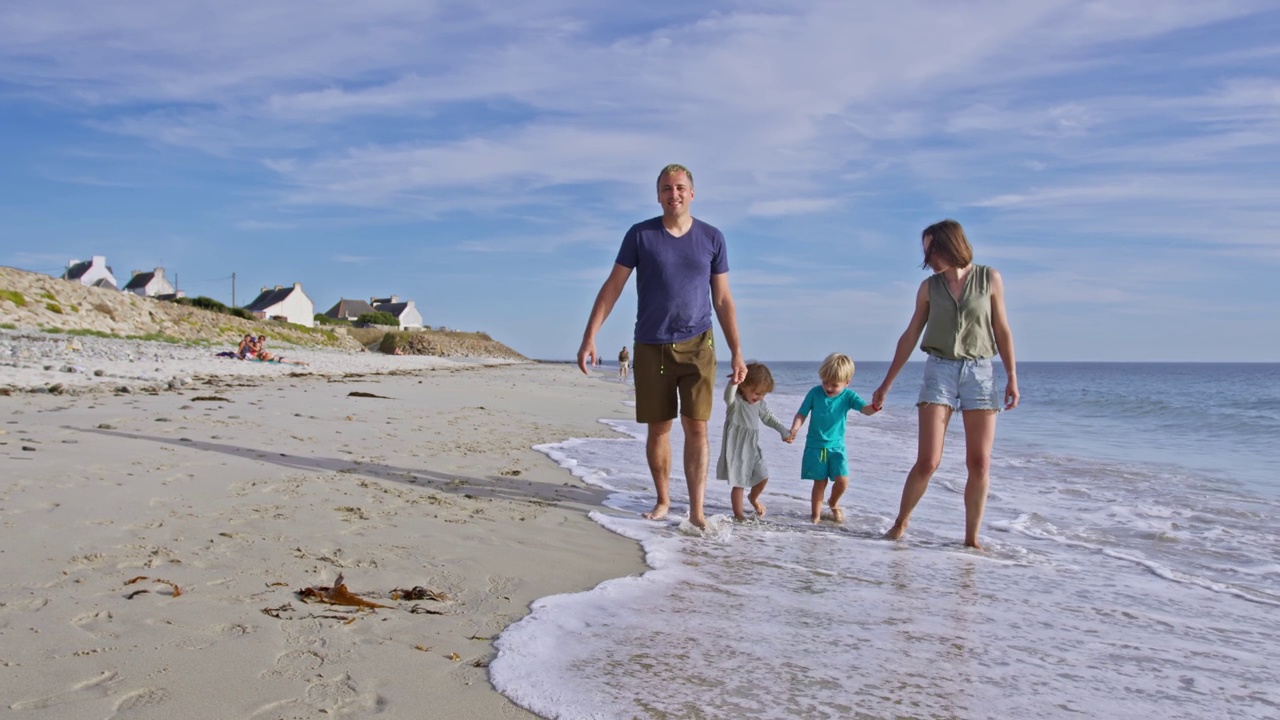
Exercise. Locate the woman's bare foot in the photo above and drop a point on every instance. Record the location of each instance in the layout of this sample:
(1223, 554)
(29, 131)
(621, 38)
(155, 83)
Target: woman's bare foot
(816, 519)
(699, 522)
(759, 506)
(658, 512)
(895, 532)
(837, 514)
(740, 517)
(974, 544)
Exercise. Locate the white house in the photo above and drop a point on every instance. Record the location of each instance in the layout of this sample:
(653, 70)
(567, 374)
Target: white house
(404, 312)
(93, 273)
(149, 284)
(284, 303)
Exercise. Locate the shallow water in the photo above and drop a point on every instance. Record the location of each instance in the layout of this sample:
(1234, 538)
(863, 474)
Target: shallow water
(1131, 570)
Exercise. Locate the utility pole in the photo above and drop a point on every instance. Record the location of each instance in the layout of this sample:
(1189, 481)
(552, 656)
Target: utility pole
(233, 289)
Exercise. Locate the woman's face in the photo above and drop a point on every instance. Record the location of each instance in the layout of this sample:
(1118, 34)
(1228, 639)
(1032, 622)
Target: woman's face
(934, 261)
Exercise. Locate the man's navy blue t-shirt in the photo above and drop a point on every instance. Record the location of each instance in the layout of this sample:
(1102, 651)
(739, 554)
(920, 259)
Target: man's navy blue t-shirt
(673, 278)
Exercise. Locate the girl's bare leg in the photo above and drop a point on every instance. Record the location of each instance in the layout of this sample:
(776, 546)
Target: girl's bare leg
(815, 501)
(839, 484)
(754, 497)
(735, 499)
(933, 431)
(979, 436)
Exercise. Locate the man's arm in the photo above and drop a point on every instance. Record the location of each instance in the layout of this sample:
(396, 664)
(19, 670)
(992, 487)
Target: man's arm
(605, 300)
(722, 301)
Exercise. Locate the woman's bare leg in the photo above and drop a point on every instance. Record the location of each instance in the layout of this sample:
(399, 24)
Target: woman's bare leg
(979, 436)
(933, 433)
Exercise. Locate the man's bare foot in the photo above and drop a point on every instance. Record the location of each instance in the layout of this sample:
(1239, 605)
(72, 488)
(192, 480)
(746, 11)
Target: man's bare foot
(658, 512)
(759, 506)
(837, 514)
(895, 532)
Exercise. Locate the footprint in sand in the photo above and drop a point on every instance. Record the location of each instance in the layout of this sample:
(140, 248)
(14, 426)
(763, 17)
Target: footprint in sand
(139, 701)
(97, 624)
(99, 686)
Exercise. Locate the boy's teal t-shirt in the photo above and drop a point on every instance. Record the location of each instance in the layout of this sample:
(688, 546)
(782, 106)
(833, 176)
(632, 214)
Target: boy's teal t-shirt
(826, 426)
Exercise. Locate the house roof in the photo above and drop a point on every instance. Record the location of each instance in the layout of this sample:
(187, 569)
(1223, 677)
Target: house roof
(139, 281)
(349, 308)
(75, 272)
(394, 308)
(269, 297)
(104, 283)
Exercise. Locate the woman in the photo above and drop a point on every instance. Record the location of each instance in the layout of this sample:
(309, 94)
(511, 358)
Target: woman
(961, 312)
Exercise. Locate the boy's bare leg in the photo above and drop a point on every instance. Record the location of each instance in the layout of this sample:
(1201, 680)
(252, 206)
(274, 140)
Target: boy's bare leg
(735, 499)
(933, 431)
(979, 436)
(697, 453)
(657, 450)
(815, 501)
(754, 497)
(839, 484)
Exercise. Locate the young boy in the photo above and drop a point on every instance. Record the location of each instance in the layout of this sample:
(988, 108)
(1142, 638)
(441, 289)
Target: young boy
(824, 454)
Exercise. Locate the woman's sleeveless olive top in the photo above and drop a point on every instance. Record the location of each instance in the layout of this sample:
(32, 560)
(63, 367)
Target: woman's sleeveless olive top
(960, 330)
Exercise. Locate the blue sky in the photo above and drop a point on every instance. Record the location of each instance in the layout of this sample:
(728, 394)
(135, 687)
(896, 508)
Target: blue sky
(1117, 161)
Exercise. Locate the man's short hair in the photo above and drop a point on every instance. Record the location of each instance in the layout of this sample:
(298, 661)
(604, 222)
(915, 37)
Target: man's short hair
(672, 169)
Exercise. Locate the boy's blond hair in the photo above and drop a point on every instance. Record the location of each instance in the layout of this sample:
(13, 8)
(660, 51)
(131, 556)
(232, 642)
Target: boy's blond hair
(758, 378)
(837, 368)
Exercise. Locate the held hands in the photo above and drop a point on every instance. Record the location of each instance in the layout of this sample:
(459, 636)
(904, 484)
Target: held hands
(789, 438)
(877, 398)
(739, 369)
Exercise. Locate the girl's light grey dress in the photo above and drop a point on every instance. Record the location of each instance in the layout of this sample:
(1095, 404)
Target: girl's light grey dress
(741, 460)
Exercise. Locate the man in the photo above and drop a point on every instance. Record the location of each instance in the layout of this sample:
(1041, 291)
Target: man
(682, 275)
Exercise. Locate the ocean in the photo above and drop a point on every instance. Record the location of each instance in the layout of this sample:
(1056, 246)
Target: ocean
(1132, 567)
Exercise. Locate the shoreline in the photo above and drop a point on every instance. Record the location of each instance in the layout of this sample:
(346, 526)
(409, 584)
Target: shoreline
(265, 486)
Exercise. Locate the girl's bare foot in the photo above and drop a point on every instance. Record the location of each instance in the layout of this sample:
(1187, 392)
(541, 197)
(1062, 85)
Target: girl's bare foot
(759, 506)
(837, 514)
(658, 512)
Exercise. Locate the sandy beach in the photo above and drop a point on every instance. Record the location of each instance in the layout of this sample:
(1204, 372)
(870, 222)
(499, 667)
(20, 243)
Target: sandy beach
(155, 542)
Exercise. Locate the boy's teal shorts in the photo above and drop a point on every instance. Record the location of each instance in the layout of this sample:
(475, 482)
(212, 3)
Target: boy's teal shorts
(823, 464)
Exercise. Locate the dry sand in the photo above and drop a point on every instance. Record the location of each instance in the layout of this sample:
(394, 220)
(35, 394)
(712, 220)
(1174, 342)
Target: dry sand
(276, 485)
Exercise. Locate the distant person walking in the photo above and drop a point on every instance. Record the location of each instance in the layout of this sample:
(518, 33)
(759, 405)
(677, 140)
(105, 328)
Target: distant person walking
(961, 312)
(682, 276)
(624, 364)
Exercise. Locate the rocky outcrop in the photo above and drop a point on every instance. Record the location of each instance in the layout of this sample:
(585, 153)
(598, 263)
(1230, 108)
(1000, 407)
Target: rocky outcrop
(446, 343)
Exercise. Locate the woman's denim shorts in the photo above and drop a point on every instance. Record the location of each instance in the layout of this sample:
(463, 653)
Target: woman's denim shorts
(960, 384)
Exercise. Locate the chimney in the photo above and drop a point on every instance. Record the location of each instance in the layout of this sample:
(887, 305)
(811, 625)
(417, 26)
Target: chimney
(159, 272)
(134, 273)
(72, 263)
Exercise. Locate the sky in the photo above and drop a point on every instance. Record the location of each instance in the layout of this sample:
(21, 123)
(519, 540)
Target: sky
(1115, 160)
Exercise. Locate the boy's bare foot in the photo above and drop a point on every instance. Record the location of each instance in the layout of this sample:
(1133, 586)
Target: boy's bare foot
(759, 506)
(895, 532)
(837, 514)
(658, 512)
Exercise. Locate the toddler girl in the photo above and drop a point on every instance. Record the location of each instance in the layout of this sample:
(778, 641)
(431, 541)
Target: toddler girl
(741, 460)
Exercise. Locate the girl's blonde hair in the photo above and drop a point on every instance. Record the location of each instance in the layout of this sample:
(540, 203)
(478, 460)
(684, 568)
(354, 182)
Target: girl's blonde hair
(758, 378)
(837, 368)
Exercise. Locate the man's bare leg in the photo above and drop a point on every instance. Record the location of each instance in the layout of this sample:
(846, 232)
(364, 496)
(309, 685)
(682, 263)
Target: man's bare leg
(697, 453)
(933, 431)
(657, 450)
(979, 436)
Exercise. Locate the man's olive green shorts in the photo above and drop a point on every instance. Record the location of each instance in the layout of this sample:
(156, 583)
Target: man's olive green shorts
(683, 371)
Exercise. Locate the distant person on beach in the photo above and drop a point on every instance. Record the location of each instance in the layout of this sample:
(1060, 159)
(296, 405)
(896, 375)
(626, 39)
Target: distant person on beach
(824, 456)
(265, 355)
(741, 459)
(624, 364)
(960, 310)
(682, 276)
(247, 348)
